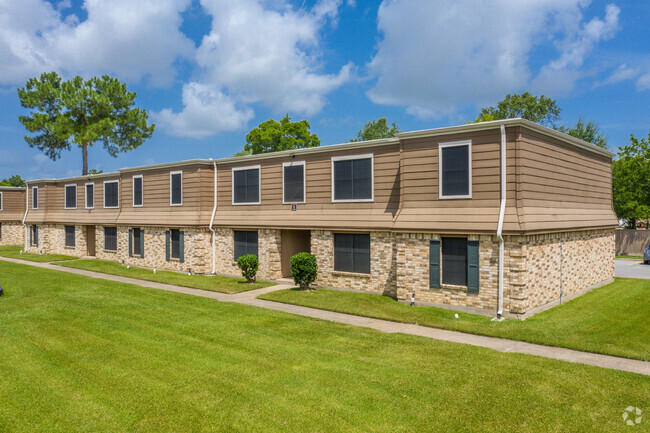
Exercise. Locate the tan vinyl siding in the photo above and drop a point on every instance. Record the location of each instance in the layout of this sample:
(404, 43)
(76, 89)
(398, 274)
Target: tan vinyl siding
(58, 214)
(318, 211)
(156, 209)
(423, 210)
(36, 216)
(13, 204)
(562, 186)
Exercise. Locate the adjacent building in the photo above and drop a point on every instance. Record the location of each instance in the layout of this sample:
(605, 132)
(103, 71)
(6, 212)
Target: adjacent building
(12, 211)
(505, 216)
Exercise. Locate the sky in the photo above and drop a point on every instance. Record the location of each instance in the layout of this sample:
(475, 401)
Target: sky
(208, 71)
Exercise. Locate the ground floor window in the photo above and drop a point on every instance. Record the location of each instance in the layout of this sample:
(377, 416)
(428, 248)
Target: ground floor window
(136, 242)
(457, 261)
(110, 238)
(69, 236)
(33, 236)
(175, 245)
(0, 230)
(454, 261)
(245, 243)
(352, 252)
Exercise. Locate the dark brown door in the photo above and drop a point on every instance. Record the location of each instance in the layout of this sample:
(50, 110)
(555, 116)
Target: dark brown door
(293, 242)
(90, 240)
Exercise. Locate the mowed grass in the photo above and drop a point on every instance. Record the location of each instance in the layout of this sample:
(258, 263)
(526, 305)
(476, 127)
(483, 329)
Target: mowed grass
(86, 355)
(13, 252)
(213, 283)
(614, 319)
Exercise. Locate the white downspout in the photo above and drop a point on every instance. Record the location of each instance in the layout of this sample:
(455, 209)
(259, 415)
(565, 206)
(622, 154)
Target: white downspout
(502, 211)
(214, 211)
(25, 217)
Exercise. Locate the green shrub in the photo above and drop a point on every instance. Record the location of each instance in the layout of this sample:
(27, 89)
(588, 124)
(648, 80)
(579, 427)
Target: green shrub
(304, 269)
(248, 264)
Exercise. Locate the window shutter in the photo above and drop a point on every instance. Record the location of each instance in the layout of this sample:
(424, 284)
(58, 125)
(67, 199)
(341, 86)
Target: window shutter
(167, 245)
(130, 242)
(434, 264)
(181, 246)
(472, 266)
(142, 243)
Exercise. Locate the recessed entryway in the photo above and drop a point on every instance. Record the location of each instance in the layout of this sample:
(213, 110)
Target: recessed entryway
(293, 242)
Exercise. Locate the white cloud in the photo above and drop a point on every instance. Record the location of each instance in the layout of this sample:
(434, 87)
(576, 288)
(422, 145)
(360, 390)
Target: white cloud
(438, 56)
(622, 73)
(130, 39)
(256, 52)
(643, 83)
(206, 111)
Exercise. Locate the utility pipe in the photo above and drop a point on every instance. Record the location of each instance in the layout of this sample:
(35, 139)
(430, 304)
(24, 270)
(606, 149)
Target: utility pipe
(502, 211)
(214, 211)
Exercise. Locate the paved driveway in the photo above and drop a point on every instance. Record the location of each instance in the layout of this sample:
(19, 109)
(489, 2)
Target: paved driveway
(632, 269)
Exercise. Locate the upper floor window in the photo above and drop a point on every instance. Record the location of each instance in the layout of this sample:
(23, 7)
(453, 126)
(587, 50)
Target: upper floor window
(1, 200)
(90, 195)
(352, 178)
(34, 197)
(71, 196)
(176, 188)
(111, 194)
(246, 185)
(455, 176)
(137, 191)
(293, 182)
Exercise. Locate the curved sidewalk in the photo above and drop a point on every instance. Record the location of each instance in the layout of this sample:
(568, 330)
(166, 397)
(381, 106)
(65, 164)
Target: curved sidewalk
(499, 344)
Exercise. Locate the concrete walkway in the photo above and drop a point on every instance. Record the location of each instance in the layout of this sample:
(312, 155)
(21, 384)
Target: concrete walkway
(499, 344)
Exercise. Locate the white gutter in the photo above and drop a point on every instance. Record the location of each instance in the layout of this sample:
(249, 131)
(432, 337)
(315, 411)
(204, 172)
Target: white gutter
(502, 211)
(214, 211)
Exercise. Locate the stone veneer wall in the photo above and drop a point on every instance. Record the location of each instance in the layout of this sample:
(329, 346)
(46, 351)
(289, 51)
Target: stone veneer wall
(383, 264)
(269, 253)
(543, 265)
(51, 240)
(197, 249)
(13, 233)
(400, 266)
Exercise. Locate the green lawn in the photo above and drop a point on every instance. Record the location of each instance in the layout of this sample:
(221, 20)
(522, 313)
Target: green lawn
(614, 319)
(630, 257)
(13, 252)
(204, 282)
(80, 354)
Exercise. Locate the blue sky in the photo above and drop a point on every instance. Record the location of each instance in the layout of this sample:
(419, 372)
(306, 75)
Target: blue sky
(208, 71)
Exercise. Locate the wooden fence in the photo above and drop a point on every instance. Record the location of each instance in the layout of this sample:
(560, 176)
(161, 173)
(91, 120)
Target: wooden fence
(631, 242)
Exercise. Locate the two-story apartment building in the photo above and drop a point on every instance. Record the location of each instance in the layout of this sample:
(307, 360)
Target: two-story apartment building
(12, 210)
(504, 216)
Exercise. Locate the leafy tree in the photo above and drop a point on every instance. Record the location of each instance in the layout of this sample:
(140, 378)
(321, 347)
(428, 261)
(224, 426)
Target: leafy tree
(273, 136)
(631, 182)
(539, 109)
(82, 112)
(589, 131)
(15, 180)
(95, 171)
(376, 129)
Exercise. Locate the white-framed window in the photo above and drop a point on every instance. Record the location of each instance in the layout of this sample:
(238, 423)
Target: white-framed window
(138, 192)
(455, 169)
(111, 194)
(1, 201)
(246, 185)
(90, 195)
(71, 196)
(294, 189)
(34, 197)
(353, 178)
(176, 188)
